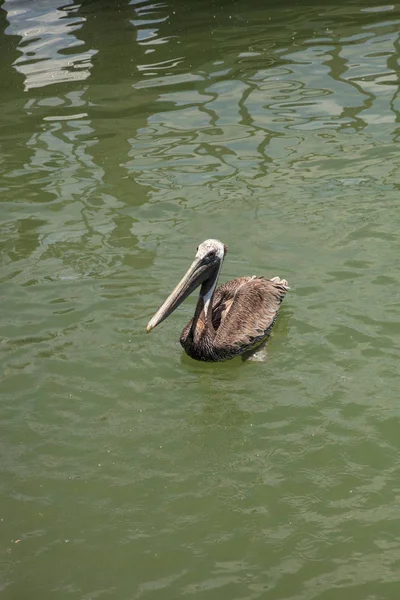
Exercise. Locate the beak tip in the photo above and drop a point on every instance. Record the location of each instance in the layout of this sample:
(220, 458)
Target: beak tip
(148, 328)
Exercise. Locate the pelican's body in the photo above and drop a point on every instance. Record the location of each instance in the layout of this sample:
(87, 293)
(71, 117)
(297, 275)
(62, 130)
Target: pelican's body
(229, 321)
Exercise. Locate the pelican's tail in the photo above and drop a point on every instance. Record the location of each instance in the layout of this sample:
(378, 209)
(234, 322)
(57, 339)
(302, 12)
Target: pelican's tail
(281, 282)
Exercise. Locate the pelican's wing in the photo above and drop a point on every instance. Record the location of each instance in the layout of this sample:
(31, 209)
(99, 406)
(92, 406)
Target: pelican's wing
(244, 310)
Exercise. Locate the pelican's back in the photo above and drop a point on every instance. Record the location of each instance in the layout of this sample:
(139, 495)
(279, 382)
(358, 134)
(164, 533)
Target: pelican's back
(244, 311)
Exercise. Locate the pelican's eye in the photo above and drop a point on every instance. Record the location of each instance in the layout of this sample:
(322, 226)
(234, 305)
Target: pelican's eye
(209, 257)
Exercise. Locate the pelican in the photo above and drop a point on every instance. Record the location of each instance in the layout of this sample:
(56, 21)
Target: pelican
(229, 321)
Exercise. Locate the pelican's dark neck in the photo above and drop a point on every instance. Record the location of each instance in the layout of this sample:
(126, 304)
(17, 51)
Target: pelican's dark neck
(203, 314)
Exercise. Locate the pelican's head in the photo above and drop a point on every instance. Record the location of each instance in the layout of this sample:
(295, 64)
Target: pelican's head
(212, 249)
(206, 266)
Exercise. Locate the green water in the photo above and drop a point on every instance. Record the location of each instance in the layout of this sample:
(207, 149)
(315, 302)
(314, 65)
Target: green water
(129, 133)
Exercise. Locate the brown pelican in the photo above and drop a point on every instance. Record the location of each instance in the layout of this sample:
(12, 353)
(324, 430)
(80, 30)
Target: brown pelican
(235, 318)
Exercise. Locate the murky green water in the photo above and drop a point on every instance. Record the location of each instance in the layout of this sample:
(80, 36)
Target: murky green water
(129, 133)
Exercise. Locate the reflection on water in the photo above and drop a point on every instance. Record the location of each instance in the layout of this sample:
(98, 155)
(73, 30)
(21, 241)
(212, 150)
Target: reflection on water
(48, 46)
(130, 132)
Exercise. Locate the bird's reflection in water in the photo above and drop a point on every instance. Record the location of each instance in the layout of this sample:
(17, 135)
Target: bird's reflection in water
(221, 395)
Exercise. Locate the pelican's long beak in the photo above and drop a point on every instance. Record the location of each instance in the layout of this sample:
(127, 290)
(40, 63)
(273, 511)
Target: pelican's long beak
(196, 274)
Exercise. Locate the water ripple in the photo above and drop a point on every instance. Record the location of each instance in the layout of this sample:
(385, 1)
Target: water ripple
(143, 471)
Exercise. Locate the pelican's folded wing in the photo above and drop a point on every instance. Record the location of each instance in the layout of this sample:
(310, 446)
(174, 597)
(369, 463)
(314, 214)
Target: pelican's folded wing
(245, 310)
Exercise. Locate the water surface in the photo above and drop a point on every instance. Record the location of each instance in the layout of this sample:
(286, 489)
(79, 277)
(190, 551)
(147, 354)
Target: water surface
(129, 133)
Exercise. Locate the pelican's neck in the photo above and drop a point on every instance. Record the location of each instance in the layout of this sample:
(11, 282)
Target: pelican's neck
(207, 291)
(203, 314)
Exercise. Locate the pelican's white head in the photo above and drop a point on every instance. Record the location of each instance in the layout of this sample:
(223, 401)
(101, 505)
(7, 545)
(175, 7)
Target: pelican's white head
(211, 248)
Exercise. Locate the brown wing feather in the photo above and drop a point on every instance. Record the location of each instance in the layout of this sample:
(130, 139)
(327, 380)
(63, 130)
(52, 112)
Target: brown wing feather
(245, 309)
